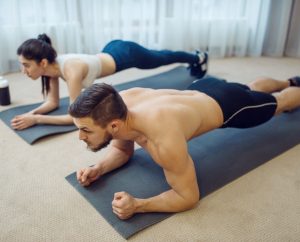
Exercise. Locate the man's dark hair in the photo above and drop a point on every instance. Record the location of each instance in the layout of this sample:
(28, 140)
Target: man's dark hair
(101, 102)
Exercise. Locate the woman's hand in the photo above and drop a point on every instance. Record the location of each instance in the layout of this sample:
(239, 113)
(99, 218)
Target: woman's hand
(23, 121)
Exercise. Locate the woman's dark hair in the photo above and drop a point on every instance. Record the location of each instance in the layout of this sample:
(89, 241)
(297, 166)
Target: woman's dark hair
(101, 102)
(38, 49)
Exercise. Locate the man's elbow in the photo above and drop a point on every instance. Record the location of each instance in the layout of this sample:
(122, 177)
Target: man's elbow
(130, 153)
(192, 201)
(127, 154)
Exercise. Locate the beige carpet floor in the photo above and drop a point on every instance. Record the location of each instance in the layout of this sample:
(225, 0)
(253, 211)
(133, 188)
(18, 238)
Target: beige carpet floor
(37, 204)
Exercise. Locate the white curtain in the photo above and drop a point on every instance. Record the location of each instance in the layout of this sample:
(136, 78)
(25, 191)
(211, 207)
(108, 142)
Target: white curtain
(23, 19)
(293, 38)
(223, 27)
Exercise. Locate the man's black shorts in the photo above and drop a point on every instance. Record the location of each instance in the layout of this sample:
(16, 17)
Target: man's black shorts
(242, 108)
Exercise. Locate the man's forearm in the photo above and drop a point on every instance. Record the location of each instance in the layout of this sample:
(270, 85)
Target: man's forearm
(114, 159)
(169, 201)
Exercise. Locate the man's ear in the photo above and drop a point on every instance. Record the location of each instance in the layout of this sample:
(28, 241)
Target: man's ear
(114, 126)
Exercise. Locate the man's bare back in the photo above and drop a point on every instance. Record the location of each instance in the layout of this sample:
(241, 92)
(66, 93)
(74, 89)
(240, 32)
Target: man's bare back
(192, 112)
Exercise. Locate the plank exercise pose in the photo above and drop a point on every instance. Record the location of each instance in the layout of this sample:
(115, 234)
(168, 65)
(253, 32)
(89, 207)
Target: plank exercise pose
(39, 59)
(162, 121)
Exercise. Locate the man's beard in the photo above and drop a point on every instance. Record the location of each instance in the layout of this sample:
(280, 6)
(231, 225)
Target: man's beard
(108, 137)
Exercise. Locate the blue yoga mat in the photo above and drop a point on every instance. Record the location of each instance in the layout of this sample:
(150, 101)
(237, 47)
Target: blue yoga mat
(177, 78)
(220, 156)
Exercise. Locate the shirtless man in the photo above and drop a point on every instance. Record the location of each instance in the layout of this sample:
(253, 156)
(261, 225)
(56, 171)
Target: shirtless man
(162, 121)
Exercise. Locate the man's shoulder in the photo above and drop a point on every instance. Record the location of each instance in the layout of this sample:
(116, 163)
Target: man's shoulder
(134, 90)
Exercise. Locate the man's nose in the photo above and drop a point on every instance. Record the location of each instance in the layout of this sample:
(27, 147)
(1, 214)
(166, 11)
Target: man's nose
(82, 136)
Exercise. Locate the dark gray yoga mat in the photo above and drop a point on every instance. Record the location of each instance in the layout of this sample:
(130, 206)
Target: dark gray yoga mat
(220, 156)
(177, 78)
(32, 134)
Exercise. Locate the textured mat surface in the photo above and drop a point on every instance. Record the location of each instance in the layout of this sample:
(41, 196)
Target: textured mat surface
(32, 134)
(177, 78)
(220, 157)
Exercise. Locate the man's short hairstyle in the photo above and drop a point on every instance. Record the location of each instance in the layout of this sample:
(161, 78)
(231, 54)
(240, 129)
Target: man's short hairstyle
(101, 102)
